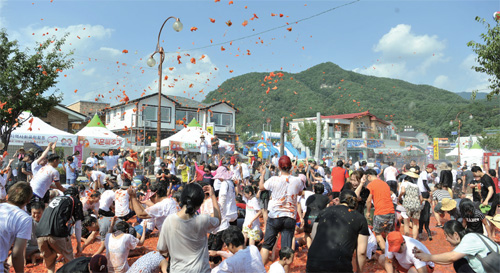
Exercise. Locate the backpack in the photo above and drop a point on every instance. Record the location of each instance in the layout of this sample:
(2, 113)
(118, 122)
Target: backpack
(490, 263)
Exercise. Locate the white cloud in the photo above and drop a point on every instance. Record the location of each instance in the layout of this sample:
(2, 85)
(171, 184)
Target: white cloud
(478, 81)
(401, 42)
(110, 51)
(441, 81)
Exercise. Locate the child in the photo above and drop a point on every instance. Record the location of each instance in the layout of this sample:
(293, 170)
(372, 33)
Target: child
(286, 258)
(473, 219)
(118, 245)
(425, 215)
(251, 225)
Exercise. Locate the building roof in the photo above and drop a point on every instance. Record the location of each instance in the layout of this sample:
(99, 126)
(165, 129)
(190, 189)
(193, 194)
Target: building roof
(356, 115)
(87, 101)
(72, 114)
(180, 101)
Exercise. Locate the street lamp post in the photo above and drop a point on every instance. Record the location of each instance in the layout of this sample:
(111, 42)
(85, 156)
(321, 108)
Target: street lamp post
(458, 133)
(151, 62)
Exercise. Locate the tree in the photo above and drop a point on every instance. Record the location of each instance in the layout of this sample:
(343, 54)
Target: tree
(307, 134)
(488, 55)
(25, 77)
(490, 142)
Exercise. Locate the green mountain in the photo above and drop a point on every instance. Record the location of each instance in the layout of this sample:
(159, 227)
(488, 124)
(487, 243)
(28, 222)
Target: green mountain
(328, 89)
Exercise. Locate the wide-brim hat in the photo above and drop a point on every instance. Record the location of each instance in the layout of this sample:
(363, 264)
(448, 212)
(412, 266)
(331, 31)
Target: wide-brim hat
(431, 166)
(448, 204)
(129, 158)
(495, 220)
(223, 173)
(202, 136)
(412, 172)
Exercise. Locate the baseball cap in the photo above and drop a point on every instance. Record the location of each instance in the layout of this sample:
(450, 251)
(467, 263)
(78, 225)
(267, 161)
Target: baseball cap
(163, 164)
(98, 264)
(395, 240)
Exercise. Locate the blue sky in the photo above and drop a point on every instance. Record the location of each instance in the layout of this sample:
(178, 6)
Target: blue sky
(423, 42)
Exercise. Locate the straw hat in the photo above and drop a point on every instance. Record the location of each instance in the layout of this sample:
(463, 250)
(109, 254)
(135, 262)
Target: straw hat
(448, 204)
(495, 220)
(129, 158)
(412, 172)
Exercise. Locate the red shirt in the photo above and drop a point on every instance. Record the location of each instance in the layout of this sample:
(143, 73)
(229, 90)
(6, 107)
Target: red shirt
(495, 180)
(129, 168)
(339, 175)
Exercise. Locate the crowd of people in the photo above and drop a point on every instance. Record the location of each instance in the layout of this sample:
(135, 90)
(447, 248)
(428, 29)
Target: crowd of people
(229, 213)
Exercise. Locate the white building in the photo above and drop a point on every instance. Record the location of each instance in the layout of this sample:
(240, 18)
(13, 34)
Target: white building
(130, 120)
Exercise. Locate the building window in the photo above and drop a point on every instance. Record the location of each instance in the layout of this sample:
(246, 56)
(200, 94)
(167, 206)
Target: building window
(122, 111)
(221, 119)
(149, 113)
(186, 116)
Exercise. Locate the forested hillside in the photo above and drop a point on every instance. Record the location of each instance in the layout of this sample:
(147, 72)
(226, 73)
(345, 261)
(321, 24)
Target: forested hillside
(329, 89)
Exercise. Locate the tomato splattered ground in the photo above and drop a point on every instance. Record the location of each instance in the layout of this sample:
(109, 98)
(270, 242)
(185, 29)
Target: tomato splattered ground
(437, 245)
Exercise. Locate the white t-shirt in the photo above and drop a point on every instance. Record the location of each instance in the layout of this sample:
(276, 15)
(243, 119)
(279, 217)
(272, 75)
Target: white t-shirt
(98, 175)
(187, 241)
(245, 171)
(472, 245)
(106, 201)
(303, 199)
(229, 211)
(454, 175)
(407, 259)
(111, 161)
(122, 203)
(284, 193)
(321, 171)
(117, 250)
(236, 171)
(420, 181)
(276, 267)
(203, 147)
(161, 210)
(14, 223)
(35, 167)
(390, 173)
(43, 179)
(251, 210)
(217, 184)
(247, 260)
(91, 161)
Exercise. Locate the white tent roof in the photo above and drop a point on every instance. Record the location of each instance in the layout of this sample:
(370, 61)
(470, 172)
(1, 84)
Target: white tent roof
(188, 139)
(96, 135)
(36, 130)
(469, 155)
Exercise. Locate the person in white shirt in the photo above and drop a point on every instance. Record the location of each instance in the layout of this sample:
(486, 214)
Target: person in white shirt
(275, 160)
(161, 206)
(251, 225)
(111, 160)
(91, 203)
(106, 202)
(15, 225)
(5, 175)
(98, 179)
(228, 210)
(286, 259)
(390, 174)
(92, 161)
(42, 181)
(203, 149)
(399, 255)
(244, 259)
(41, 160)
(283, 211)
(123, 207)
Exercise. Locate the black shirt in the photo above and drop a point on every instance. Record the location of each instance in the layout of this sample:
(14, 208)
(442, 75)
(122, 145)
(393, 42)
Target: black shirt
(475, 223)
(78, 265)
(446, 178)
(163, 171)
(58, 217)
(20, 175)
(316, 203)
(487, 182)
(338, 230)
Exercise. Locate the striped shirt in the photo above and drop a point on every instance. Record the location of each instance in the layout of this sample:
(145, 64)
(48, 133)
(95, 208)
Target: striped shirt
(440, 194)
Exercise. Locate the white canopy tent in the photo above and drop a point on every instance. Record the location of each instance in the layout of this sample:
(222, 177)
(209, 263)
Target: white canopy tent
(35, 130)
(473, 155)
(96, 136)
(188, 139)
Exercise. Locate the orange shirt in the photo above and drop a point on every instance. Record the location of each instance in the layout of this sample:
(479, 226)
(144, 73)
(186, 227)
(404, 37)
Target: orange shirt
(381, 194)
(339, 175)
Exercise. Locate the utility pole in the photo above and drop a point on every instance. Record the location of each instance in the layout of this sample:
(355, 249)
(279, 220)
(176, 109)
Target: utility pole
(318, 136)
(282, 137)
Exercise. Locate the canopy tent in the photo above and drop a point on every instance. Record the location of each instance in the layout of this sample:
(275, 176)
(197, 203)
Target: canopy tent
(35, 130)
(96, 135)
(473, 155)
(188, 139)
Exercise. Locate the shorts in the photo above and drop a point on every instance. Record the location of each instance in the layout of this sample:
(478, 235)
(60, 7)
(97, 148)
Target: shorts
(437, 208)
(70, 181)
(251, 233)
(414, 214)
(283, 225)
(264, 199)
(401, 212)
(50, 246)
(176, 187)
(383, 223)
(139, 229)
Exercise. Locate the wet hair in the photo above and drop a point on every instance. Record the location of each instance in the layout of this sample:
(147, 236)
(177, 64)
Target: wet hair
(177, 196)
(20, 194)
(286, 253)
(37, 205)
(73, 191)
(249, 190)
(475, 169)
(467, 208)
(233, 235)
(347, 166)
(161, 189)
(438, 186)
(340, 163)
(425, 195)
(349, 198)
(69, 158)
(95, 194)
(53, 157)
(122, 226)
(371, 172)
(492, 173)
(358, 174)
(453, 226)
(364, 163)
(319, 188)
(390, 163)
(81, 187)
(192, 197)
(88, 220)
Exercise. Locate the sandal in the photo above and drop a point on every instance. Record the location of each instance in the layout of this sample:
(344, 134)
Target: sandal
(439, 226)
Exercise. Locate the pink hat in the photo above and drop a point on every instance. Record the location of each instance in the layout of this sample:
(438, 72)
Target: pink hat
(223, 173)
